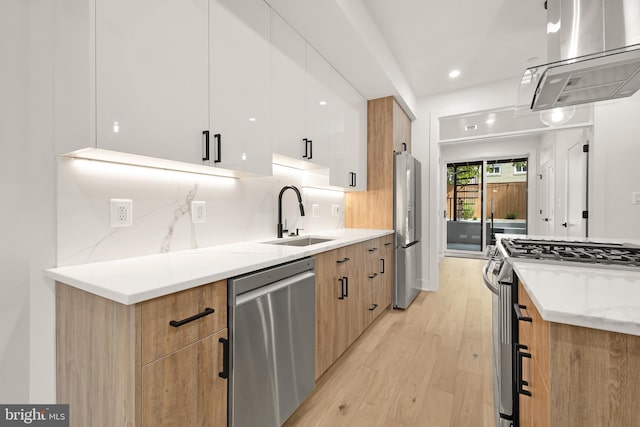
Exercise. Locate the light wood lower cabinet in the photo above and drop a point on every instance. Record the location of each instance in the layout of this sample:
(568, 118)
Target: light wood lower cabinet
(156, 363)
(577, 376)
(349, 283)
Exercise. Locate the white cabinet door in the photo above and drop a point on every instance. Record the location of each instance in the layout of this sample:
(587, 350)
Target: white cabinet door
(336, 123)
(351, 169)
(152, 77)
(288, 87)
(240, 50)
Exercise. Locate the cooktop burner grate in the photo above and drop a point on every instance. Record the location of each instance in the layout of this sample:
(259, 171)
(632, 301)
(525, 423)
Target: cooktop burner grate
(585, 252)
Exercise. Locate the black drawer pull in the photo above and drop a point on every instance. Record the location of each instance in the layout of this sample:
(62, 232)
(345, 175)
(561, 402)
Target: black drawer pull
(373, 307)
(177, 323)
(373, 275)
(225, 358)
(372, 249)
(520, 382)
(342, 295)
(387, 244)
(521, 317)
(382, 265)
(343, 260)
(346, 286)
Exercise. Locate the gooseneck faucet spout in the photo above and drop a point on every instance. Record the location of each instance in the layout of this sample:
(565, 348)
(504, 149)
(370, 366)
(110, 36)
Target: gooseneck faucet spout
(285, 188)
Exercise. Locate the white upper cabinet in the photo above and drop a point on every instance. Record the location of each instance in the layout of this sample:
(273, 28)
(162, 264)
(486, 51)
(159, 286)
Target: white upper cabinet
(152, 76)
(288, 89)
(316, 115)
(240, 50)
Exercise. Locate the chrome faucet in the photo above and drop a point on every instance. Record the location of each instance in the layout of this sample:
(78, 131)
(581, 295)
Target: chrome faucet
(285, 188)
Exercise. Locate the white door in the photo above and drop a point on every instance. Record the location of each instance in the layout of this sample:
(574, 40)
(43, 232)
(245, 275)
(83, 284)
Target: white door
(152, 73)
(576, 191)
(547, 197)
(240, 52)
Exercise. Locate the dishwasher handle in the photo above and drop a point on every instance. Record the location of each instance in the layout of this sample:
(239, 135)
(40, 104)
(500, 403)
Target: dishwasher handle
(257, 293)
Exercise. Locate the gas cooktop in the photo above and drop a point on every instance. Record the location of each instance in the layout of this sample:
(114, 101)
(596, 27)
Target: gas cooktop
(570, 251)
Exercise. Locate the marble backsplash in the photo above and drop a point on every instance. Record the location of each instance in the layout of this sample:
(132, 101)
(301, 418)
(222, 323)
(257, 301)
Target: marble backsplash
(236, 209)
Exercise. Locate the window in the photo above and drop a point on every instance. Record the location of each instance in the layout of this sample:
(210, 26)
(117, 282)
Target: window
(519, 168)
(494, 169)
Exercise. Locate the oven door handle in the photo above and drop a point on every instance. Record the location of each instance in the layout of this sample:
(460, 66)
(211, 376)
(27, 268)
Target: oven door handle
(485, 276)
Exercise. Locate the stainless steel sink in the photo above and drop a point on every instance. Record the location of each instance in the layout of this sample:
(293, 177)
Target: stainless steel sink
(304, 241)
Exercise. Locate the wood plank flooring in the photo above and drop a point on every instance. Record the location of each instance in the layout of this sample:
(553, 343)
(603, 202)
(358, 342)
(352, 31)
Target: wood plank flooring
(428, 366)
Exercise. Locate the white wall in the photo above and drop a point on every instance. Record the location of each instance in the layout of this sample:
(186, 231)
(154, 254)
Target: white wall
(425, 148)
(614, 173)
(27, 184)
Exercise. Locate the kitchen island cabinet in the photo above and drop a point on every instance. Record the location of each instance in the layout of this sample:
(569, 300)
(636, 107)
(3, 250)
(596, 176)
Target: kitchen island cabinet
(576, 375)
(158, 362)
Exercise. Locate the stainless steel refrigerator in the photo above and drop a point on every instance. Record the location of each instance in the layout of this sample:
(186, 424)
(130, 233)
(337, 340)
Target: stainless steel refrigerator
(406, 199)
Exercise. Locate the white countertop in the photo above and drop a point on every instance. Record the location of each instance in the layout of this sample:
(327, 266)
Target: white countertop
(592, 297)
(133, 280)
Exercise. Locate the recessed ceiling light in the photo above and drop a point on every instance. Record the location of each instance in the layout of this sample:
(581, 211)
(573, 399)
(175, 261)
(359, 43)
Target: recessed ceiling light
(252, 119)
(323, 103)
(454, 74)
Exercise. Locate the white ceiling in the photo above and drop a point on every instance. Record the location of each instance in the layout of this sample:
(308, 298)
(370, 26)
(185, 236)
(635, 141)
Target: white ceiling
(406, 48)
(487, 40)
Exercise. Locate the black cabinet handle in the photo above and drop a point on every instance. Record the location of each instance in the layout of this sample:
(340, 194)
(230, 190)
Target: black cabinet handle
(206, 145)
(346, 287)
(372, 249)
(177, 323)
(404, 146)
(373, 275)
(521, 317)
(308, 149)
(564, 224)
(225, 358)
(382, 265)
(373, 307)
(342, 295)
(387, 244)
(343, 260)
(218, 139)
(352, 182)
(520, 355)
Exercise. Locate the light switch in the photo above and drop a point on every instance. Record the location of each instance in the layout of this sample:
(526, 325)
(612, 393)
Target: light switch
(636, 198)
(335, 210)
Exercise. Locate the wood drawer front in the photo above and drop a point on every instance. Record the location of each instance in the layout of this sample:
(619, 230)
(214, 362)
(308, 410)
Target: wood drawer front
(160, 338)
(536, 334)
(372, 249)
(184, 388)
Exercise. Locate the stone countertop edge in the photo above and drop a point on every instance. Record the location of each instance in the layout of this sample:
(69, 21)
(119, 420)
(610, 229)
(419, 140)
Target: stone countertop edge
(615, 315)
(137, 279)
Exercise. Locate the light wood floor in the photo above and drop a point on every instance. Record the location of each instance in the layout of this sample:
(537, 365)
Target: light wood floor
(428, 366)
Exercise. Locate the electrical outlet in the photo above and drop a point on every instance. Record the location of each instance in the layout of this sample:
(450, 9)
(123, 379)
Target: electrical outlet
(315, 210)
(335, 210)
(198, 212)
(636, 198)
(121, 212)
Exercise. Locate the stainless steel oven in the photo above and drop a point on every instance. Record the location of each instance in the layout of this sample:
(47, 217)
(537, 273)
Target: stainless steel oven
(499, 277)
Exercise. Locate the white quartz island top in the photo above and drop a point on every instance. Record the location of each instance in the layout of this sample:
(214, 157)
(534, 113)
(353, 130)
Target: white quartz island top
(592, 297)
(133, 280)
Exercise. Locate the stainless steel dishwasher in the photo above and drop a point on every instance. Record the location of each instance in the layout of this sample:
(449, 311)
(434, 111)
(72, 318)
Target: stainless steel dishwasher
(272, 336)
